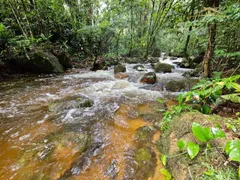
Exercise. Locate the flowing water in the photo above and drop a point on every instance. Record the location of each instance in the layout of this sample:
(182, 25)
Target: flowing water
(85, 125)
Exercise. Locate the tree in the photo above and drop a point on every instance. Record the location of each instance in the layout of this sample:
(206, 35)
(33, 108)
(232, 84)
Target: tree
(212, 29)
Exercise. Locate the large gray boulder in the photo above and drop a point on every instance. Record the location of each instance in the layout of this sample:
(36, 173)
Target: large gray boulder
(162, 67)
(43, 62)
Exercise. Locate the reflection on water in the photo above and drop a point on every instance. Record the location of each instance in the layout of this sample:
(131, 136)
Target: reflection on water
(38, 143)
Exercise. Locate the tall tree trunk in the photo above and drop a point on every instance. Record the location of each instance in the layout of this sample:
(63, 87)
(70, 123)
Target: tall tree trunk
(131, 41)
(185, 50)
(212, 28)
(210, 50)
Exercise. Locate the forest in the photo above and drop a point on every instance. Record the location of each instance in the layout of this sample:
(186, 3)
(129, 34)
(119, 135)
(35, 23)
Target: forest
(120, 89)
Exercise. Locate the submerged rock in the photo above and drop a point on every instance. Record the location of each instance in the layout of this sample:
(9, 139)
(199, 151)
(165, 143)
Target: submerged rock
(119, 68)
(144, 134)
(162, 67)
(71, 102)
(149, 78)
(121, 75)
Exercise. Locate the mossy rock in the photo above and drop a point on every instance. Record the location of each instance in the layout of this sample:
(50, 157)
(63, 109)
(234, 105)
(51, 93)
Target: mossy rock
(175, 86)
(195, 72)
(146, 159)
(180, 129)
(144, 134)
(72, 102)
(119, 68)
(44, 62)
(162, 67)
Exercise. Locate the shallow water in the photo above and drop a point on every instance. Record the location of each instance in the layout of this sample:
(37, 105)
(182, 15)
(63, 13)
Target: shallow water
(79, 126)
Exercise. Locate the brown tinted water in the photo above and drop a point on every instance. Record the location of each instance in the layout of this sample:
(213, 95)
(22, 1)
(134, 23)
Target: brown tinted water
(37, 143)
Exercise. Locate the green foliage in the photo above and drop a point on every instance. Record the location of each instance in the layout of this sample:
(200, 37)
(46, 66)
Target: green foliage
(232, 148)
(207, 92)
(165, 172)
(202, 134)
(181, 144)
(206, 134)
(164, 159)
(192, 149)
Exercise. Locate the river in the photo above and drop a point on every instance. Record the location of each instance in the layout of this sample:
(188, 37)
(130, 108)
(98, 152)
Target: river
(82, 125)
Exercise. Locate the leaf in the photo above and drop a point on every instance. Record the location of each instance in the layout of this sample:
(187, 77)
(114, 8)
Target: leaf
(181, 144)
(234, 144)
(180, 98)
(164, 159)
(160, 100)
(209, 173)
(235, 155)
(202, 134)
(236, 86)
(218, 133)
(232, 97)
(165, 172)
(206, 109)
(192, 149)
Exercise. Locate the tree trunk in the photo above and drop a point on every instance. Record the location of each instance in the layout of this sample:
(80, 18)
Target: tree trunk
(210, 50)
(211, 41)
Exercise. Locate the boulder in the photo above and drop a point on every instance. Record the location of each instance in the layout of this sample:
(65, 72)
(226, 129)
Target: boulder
(149, 78)
(162, 67)
(121, 75)
(44, 62)
(194, 73)
(153, 60)
(139, 67)
(67, 103)
(119, 68)
(199, 58)
(65, 60)
(175, 86)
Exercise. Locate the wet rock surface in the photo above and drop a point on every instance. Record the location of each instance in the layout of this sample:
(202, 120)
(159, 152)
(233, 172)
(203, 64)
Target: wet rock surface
(149, 78)
(119, 68)
(162, 67)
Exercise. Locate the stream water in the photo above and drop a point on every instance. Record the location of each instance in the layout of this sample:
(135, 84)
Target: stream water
(85, 125)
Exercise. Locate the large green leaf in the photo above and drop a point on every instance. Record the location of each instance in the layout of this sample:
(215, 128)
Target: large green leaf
(234, 144)
(202, 134)
(192, 149)
(235, 155)
(218, 133)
